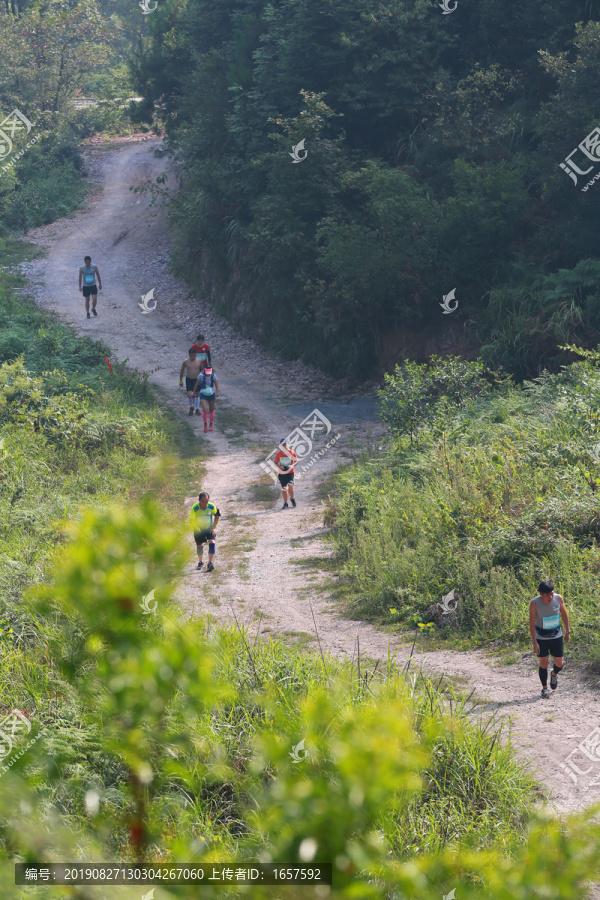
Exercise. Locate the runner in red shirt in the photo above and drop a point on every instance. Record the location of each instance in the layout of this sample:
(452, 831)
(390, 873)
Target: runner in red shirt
(285, 459)
(203, 351)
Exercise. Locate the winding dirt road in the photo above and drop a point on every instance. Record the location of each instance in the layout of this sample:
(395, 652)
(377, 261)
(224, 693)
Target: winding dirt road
(259, 574)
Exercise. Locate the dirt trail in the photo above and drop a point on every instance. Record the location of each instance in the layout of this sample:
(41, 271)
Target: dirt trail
(258, 572)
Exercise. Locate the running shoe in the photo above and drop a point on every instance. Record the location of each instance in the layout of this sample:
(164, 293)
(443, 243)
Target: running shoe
(209, 567)
(293, 502)
(285, 506)
(210, 428)
(197, 412)
(200, 565)
(205, 427)
(88, 315)
(553, 680)
(191, 412)
(94, 313)
(545, 693)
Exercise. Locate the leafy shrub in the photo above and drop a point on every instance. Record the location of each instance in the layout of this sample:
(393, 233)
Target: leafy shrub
(183, 747)
(500, 492)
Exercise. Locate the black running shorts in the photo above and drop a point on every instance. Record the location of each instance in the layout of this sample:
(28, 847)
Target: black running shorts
(286, 478)
(555, 646)
(190, 383)
(89, 289)
(201, 537)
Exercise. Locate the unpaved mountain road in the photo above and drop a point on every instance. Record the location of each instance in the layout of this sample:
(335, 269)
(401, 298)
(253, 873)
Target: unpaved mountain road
(259, 573)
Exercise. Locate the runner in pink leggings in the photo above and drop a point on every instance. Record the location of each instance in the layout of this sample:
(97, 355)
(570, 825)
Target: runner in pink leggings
(207, 388)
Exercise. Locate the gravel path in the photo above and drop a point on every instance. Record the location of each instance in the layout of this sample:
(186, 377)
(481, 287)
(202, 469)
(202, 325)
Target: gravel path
(260, 576)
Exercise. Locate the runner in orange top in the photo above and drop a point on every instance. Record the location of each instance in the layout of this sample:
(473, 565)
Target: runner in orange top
(285, 459)
(203, 351)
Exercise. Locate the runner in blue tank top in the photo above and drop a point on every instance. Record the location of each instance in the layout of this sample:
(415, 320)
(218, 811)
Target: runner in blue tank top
(545, 612)
(87, 284)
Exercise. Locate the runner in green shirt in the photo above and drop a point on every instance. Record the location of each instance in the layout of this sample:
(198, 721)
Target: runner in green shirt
(204, 518)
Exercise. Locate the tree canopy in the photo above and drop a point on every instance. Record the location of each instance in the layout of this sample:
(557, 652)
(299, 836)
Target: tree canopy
(434, 143)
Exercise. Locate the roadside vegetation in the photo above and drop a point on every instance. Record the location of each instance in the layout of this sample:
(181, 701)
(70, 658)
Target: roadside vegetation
(51, 55)
(163, 739)
(485, 487)
(72, 435)
(170, 740)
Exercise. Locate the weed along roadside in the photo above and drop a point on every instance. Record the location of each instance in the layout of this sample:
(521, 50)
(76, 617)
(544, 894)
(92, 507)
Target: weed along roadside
(299, 450)
(177, 690)
(368, 736)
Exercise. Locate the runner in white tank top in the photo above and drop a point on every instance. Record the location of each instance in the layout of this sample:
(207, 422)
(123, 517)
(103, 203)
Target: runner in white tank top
(545, 614)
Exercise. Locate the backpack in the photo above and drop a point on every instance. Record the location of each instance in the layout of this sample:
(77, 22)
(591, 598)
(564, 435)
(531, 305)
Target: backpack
(208, 384)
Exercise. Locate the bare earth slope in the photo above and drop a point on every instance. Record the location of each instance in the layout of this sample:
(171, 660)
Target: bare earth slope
(258, 574)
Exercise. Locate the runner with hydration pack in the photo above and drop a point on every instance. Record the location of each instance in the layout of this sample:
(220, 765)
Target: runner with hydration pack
(87, 284)
(207, 388)
(545, 612)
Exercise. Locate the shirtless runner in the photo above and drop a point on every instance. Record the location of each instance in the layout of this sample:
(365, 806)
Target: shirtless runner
(192, 367)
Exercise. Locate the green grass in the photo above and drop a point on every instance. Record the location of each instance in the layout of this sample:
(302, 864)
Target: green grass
(263, 491)
(13, 251)
(235, 423)
(204, 717)
(482, 502)
(71, 435)
(299, 640)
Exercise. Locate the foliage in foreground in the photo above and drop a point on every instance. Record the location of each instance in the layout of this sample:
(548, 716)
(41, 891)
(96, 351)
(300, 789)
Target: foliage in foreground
(165, 741)
(485, 487)
(70, 434)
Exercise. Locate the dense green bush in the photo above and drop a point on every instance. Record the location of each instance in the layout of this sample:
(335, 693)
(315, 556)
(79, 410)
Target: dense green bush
(434, 145)
(486, 488)
(70, 431)
(165, 743)
(45, 184)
